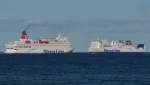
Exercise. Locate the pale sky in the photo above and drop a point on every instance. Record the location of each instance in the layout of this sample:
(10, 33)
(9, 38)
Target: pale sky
(75, 9)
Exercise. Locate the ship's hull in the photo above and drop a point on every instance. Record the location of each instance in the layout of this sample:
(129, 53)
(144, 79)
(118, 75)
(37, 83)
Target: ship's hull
(41, 50)
(82, 53)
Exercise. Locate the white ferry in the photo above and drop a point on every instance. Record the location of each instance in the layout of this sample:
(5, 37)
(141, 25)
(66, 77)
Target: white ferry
(115, 46)
(60, 44)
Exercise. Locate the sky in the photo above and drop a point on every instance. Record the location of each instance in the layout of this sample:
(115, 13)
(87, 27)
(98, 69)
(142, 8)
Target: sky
(80, 20)
(75, 9)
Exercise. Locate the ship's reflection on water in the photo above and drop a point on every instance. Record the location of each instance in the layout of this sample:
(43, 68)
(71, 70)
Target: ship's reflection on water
(75, 69)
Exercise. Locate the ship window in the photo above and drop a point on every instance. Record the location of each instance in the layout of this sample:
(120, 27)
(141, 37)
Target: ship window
(23, 46)
(35, 42)
(28, 42)
(43, 42)
(128, 42)
(27, 46)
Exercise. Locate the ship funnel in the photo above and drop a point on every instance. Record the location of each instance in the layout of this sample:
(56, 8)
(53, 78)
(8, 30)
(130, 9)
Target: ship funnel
(24, 35)
(141, 46)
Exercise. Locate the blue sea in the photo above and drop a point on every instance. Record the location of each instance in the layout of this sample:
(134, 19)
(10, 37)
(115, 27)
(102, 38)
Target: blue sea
(75, 69)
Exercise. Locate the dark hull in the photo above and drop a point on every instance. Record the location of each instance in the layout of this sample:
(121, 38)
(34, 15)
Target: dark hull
(75, 69)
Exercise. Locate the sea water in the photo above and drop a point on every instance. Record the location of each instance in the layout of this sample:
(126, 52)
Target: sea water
(75, 69)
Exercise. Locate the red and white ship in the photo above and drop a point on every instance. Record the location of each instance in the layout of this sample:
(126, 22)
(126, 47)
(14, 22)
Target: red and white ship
(60, 44)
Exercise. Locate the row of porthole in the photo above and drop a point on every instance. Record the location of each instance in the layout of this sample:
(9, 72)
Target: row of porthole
(23, 46)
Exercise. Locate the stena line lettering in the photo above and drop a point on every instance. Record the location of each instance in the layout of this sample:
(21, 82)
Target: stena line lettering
(53, 51)
(106, 50)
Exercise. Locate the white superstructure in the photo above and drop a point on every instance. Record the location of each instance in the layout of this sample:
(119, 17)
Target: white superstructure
(60, 44)
(115, 46)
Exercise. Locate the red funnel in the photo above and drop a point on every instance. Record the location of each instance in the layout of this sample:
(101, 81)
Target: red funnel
(24, 35)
